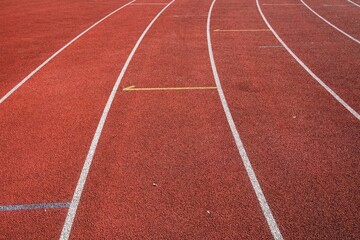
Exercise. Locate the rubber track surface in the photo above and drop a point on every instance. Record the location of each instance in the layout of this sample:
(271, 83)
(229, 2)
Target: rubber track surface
(167, 166)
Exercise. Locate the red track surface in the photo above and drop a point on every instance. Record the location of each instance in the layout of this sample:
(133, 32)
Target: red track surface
(167, 166)
(31, 31)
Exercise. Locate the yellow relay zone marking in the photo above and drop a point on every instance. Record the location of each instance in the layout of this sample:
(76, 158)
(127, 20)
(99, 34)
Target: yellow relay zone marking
(133, 88)
(241, 30)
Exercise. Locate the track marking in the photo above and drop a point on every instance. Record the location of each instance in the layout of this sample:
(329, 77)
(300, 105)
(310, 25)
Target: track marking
(327, 88)
(241, 30)
(34, 206)
(275, 46)
(354, 3)
(133, 88)
(250, 171)
(281, 4)
(149, 4)
(189, 16)
(59, 51)
(329, 23)
(65, 233)
(337, 5)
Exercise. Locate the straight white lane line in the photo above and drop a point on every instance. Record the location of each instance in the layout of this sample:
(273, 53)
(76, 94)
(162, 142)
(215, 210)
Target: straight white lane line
(65, 234)
(250, 171)
(56, 53)
(354, 3)
(327, 88)
(329, 23)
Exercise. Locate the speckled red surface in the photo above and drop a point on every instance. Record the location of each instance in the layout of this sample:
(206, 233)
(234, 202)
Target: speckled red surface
(166, 166)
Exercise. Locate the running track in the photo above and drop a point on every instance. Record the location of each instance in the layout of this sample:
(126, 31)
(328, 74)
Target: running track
(215, 131)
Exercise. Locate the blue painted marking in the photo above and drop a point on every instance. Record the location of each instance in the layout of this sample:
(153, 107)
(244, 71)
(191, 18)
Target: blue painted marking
(34, 206)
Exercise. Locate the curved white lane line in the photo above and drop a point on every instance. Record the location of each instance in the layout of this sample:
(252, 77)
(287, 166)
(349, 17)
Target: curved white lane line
(65, 234)
(328, 89)
(57, 52)
(332, 25)
(354, 3)
(250, 171)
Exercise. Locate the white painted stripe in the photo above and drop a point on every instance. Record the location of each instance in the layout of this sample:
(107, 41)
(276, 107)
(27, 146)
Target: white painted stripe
(329, 23)
(250, 171)
(56, 53)
(327, 88)
(34, 206)
(65, 234)
(354, 3)
(149, 4)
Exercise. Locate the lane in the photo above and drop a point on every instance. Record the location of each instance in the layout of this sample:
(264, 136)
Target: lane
(48, 125)
(329, 54)
(306, 68)
(46, 128)
(32, 224)
(302, 144)
(65, 234)
(166, 165)
(240, 146)
(31, 31)
(354, 3)
(341, 14)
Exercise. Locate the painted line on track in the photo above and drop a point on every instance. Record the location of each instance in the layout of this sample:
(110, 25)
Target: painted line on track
(133, 88)
(281, 4)
(337, 5)
(189, 16)
(34, 206)
(327, 88)
(358, 5)
(57, 52)
(149, 4)
(329, 23)
(241, 30)
(65, 233)
(271, 46)
(250, 171)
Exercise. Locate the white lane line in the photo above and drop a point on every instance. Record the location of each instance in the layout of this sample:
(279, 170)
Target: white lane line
(250, 171)
(56, 53)
(329, 23)
(19, 207)
(149, 4)
(65, 234)
(354, 3)
(327, 88)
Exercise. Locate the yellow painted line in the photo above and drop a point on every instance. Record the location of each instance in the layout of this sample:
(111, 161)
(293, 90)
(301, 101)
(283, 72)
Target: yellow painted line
(282, 4)
(133, 88)
(241, 30)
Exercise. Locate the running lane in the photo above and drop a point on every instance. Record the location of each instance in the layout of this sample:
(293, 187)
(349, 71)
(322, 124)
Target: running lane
(341, 13)
(333, 57)
(46, 127)
(31, 31)
(166, 166)
(304, 146)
